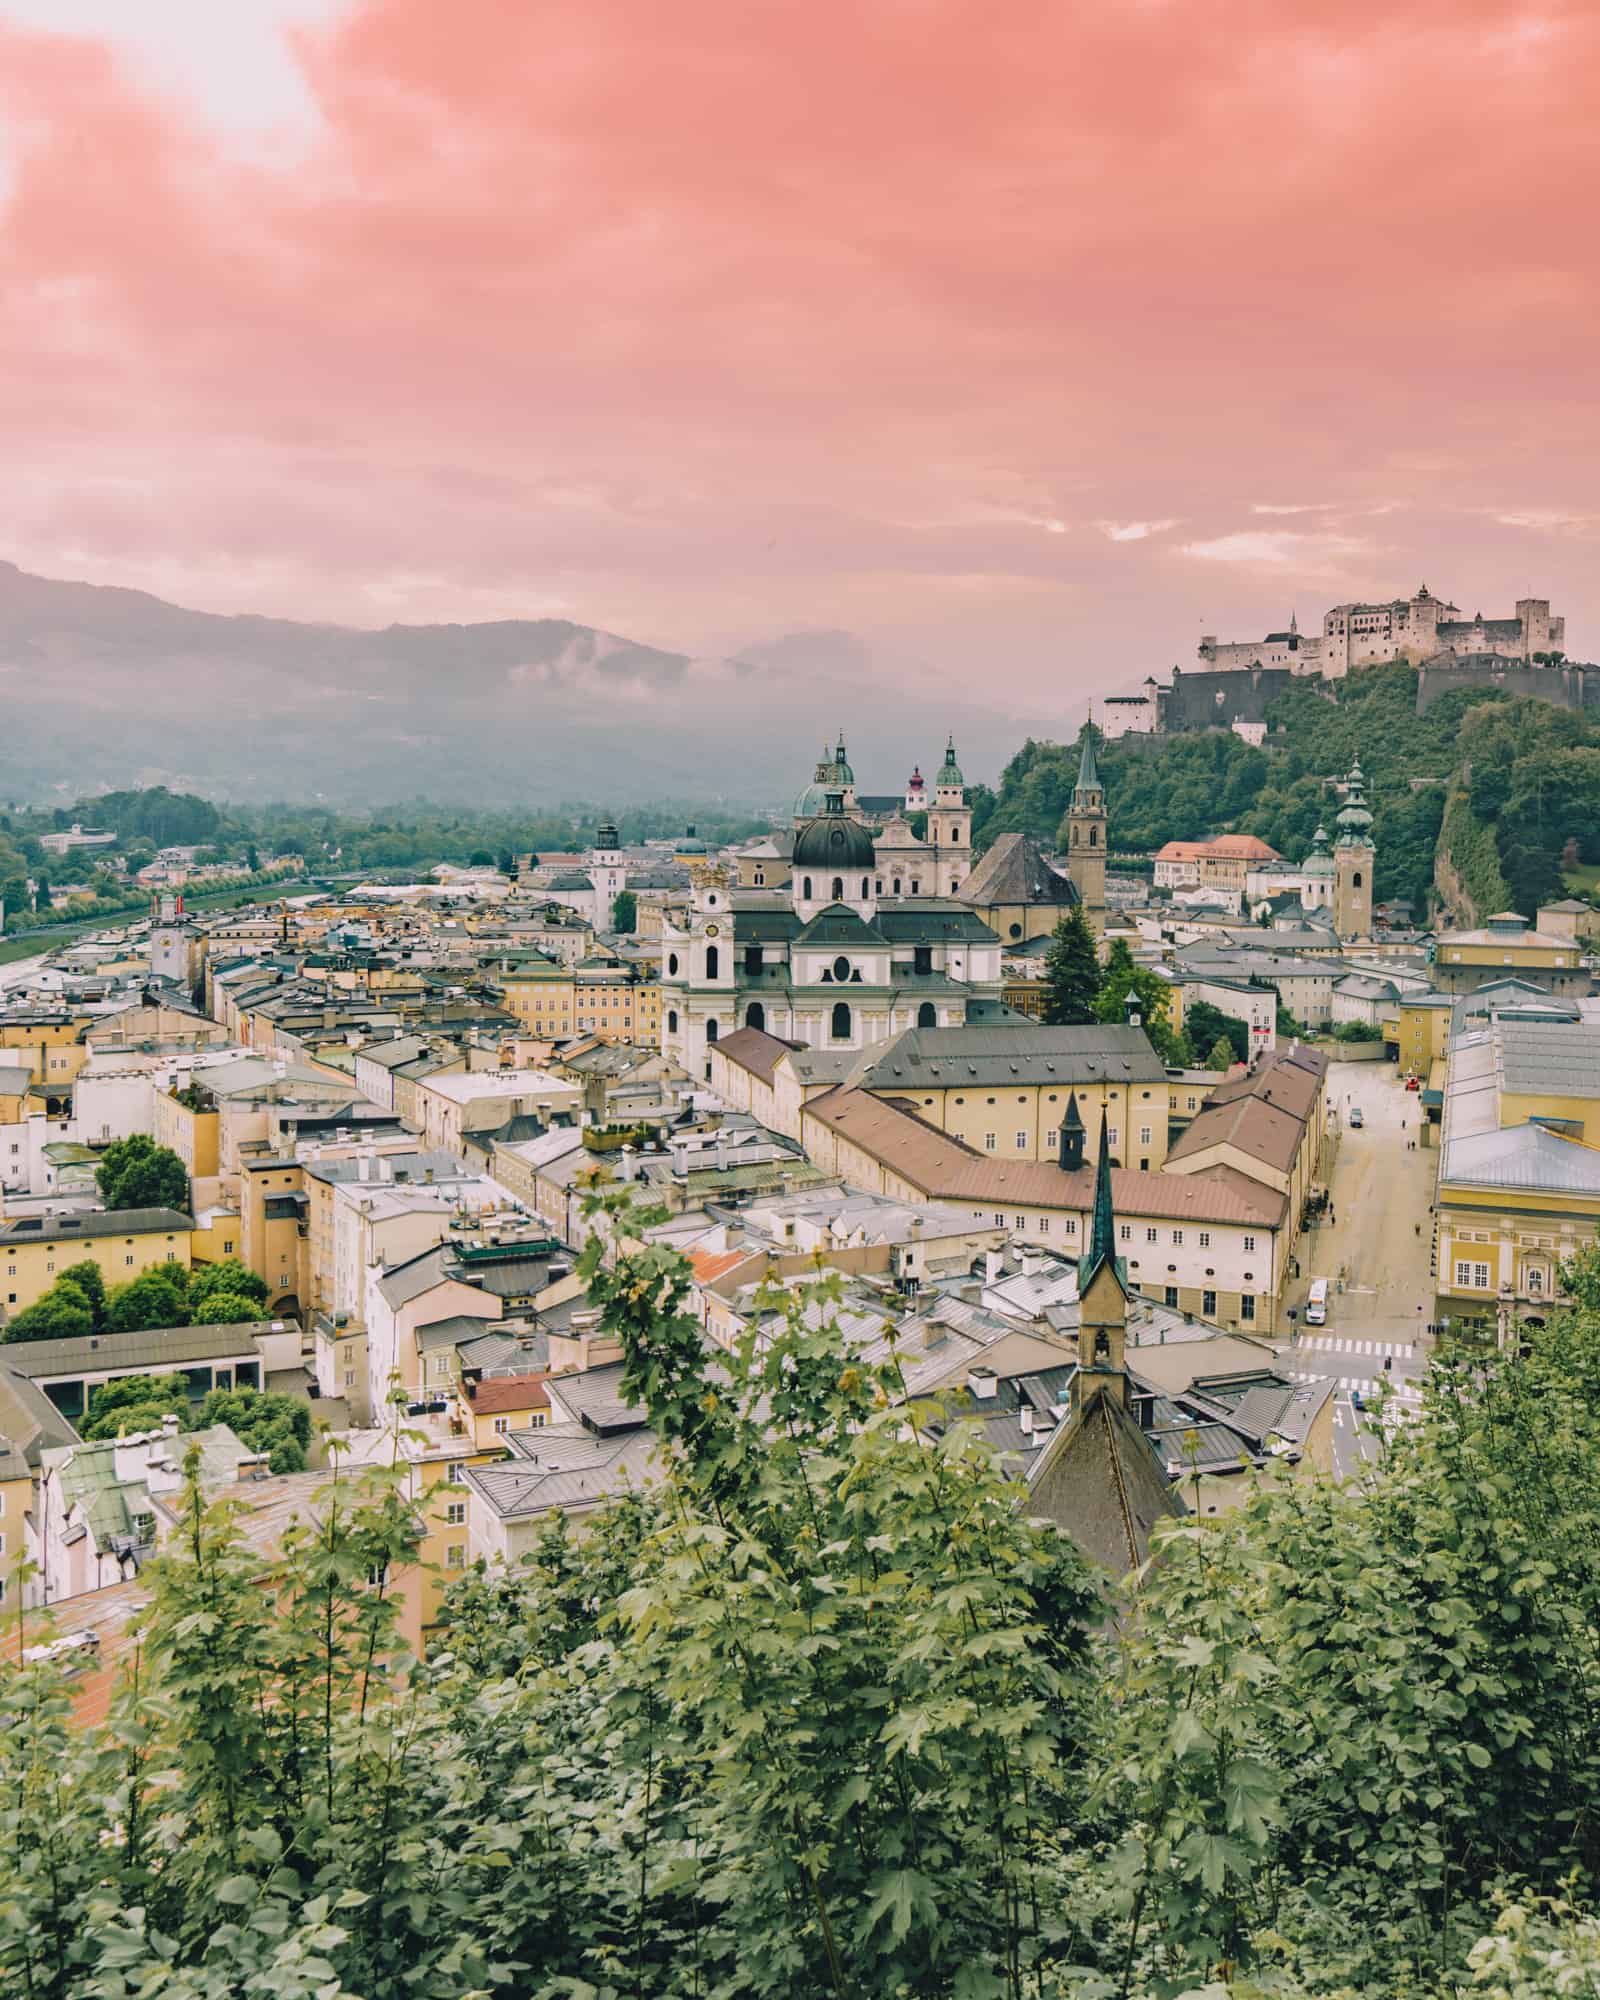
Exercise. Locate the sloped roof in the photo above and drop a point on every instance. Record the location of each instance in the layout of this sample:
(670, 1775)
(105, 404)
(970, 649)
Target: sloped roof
(1015, 871)
(1103, 1484)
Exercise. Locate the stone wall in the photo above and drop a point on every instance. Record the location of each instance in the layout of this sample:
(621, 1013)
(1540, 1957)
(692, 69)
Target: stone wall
(1568, 686)
(1218, 700)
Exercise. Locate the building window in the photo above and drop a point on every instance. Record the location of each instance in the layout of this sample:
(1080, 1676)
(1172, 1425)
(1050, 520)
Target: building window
(927, 1015)
(501, 1426)
(458, 1472)
(711, 1030)
(1144, 1135)
(866, 888)
(755, 1015)
(1171, 1295)
(378, 1575)
(999, 1222)
(1151, 1236)
(1472, 1277)
(713, 961)
(1535, 1279)
(455, 1556)
(1208, 1305)
(1205, 1239)
(672, 1020)
(916, 888)
(841, 971)
(1247, 1305)
(988, 1142)
(1070, 1226)
(1177, 1238)
(455, 1513)
(1249, 1243)
(672, 962)
(1044, 1225)
(840, 1025)
(1111, 1138)
(805, 887)
(1124, 1232)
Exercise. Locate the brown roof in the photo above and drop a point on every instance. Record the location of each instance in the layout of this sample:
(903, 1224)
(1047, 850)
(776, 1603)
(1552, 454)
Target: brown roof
(938, 1165)
(1226, 847)
(756, 1051)
(709, 1265)
(1016, 871)
(1104, 1485)
(1270, 1133)
(495, 1393)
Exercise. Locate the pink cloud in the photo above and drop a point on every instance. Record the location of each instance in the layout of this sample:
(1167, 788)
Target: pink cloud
(702, 327)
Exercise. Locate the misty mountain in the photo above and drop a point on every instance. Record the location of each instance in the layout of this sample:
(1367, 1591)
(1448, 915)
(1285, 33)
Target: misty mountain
(111, 687)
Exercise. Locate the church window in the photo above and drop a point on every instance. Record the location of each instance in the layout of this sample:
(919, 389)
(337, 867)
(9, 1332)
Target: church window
(840, 1028)
(836, 894)
(1077, 835)
(755, 1015)
(1355, 880)
(922, 958)
(672, 1020)
(866, 888)
(1016, 930)
(752, 958)
(927, 1015)
(1172, 1295)
(897, 885)
(879, 885)
(955, 835)
(916, 888)
(711, 1030)
(805, 887)
(713, 961)
(1094, 836)
(672, 961)
(841, 969)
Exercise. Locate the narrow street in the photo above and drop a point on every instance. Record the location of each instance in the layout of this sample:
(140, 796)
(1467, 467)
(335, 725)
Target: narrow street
(1374, 1253)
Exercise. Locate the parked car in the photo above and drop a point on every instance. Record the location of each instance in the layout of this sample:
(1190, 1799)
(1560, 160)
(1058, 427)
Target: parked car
(1413, 1083)
(1356, 1402)
(1357, 1118)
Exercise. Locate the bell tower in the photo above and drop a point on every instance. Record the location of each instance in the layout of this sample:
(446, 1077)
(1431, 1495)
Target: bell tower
(950, 826)
(1354, 857)
(1086, 835)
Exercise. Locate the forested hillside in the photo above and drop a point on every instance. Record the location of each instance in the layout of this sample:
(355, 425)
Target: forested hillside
(1527, 775)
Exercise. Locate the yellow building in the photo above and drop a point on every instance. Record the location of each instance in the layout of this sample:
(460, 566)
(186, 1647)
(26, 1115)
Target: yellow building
(1423, 1031)
(1507, 948)
(48, 1041)
(1519, 1167)
(274, 1229)
(186, 1123)
(35, 1250)
(619, 1003)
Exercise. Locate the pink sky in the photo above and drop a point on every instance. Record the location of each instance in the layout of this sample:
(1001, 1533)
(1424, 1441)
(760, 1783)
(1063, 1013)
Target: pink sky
(1027, 340)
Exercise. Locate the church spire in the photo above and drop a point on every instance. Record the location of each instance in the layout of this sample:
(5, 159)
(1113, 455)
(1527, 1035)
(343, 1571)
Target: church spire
(1088, 770)
(1103, 1226)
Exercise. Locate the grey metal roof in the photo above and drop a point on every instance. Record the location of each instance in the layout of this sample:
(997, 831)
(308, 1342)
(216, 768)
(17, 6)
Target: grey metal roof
(179, 1346)
(1525, 1157)
(562, 1465)
(933, 922)
(110, 1222)
(1559, 1057)
(1023, 1055)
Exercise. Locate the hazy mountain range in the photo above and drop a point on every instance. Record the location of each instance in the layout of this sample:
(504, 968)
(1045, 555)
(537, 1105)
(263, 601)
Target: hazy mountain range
(107, 687)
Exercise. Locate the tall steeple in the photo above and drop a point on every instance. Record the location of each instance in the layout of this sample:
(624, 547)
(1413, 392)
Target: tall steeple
(1103, 1289)
(1354, 858)
(949, 826)
(1072, 1136)
(1086, 834)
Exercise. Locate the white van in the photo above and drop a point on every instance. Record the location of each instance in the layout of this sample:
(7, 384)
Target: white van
(1317, 1303)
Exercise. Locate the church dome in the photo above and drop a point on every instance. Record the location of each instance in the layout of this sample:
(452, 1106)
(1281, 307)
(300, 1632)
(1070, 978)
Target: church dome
(1319, 861)
(1354, 821)
(831, 843)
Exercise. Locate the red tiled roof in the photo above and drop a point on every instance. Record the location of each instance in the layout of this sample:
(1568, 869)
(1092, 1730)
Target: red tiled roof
(709, 1265)
(496, 1393)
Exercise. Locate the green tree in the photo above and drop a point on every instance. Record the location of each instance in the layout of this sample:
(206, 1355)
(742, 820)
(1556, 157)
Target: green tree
(1206, 1025)
(62, 1313)
(90, 1280)
(157, 1298)
(1071, 973)
(136, 1403)
(1222, 1055)
(137, 1173)
(223, 1309)
(1125, 981)
(268, 1422)
(229, 1278)
(625, 913)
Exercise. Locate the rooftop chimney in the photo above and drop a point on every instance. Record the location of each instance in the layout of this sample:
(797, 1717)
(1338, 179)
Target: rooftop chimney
(983, 1383)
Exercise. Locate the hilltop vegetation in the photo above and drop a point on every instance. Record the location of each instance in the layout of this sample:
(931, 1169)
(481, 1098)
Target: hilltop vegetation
(826, 1713)
(1528, 775)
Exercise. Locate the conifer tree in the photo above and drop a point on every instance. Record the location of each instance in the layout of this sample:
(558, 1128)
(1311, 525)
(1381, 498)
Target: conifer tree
(1072, 973)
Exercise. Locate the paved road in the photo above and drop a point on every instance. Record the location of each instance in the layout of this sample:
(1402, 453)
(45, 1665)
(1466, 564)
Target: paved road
(1380, 1198)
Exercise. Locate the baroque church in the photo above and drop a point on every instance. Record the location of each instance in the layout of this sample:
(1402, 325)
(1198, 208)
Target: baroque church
(875, 931)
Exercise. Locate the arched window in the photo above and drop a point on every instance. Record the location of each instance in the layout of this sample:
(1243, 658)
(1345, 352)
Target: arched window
(927, 1015)
(672, 1020)
(841, 968)
(866, 888)
(805, 888)
(897, 885)
(841, 1022)
(1077, 833)
(672, 961)
(711, 1030)
(955, 836)
(1355, 879)
(836, 894)
(1094, 836)
(755, 1015)
(713, 961)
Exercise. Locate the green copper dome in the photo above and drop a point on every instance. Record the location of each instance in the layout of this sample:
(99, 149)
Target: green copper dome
(1354, 821)
(950, 770)
(1319, 861)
